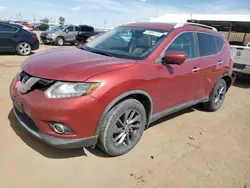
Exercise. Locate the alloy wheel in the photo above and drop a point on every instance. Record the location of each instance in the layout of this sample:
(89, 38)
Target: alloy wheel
(126, 129)
(24, 48)
(219, 95)
(60, 41)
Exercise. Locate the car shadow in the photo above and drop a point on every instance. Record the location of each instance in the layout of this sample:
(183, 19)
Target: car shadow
(51, 44)
(51, 152)
(44, 149)
(14, 53)
(172, 116)
(242, 81)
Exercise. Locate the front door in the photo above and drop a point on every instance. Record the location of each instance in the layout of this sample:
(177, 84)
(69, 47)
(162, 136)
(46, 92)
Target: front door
(70, 34)
(7, 37)
(178, 84)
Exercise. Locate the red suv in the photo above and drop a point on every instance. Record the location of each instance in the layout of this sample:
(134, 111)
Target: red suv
(111, 89)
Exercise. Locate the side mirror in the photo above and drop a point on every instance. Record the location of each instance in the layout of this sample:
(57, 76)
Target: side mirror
(174, 58)
(66, 30)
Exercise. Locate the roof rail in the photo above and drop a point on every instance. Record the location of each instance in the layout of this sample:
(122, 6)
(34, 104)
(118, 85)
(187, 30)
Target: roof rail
(195, 24)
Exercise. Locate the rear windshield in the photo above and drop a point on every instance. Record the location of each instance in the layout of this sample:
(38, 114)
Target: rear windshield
(127, 42)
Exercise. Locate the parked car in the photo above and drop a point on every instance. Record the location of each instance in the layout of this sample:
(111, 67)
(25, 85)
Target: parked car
(111, 89)
(13, 38)
(28, 26)
(241, 57)
(83, 34)
(60, 35)
(97, 34)
(41, 27)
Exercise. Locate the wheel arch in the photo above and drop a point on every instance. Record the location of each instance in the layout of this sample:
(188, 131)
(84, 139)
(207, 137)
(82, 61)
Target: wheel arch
(227, 76)
(140, 95)
(60, 36)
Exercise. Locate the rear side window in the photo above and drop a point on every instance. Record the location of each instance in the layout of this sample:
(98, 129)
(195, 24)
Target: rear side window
(77, 28)
(7, 28)
(183, 43)
(219, 43)
(206, 44)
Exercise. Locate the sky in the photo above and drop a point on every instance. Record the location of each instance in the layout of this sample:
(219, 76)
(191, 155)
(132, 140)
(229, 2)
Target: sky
(115, 12)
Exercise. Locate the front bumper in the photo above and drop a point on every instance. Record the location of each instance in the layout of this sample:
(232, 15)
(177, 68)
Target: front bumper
(80, 114)
(46, 39)
(30, 127)
(241, 68)
(35, 45)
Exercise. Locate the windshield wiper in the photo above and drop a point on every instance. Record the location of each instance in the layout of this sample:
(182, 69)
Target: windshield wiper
(101, 53)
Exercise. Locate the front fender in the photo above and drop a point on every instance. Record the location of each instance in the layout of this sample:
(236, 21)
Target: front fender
(116, 101)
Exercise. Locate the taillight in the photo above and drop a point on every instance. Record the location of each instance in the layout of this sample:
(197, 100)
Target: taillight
(34, 37)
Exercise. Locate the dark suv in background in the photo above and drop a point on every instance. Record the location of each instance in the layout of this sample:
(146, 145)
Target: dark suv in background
(13, 38)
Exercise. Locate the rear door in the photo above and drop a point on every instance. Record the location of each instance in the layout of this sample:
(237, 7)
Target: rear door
(212, 61)
(8, 37)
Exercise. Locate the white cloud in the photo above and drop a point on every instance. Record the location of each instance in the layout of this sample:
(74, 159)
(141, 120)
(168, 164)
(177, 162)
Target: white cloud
(75, 9)
(118, 12)
(2, 8)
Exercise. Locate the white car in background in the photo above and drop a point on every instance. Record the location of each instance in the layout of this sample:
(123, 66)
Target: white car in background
(241, 58)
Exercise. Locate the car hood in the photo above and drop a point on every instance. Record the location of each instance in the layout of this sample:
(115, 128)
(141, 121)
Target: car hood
(71, 64)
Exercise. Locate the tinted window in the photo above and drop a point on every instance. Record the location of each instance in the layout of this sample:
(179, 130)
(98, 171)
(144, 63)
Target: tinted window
(70, 28)
(206, 44)
(219, 43)
(183, 43)
(7, 28)
(77, 28)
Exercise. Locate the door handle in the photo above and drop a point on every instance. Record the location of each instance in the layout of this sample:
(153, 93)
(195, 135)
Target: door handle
(196, 69)
(220, 62)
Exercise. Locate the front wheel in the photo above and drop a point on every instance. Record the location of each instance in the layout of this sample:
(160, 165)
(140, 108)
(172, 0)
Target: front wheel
(59, 41)
(122, 127)
(217, 96)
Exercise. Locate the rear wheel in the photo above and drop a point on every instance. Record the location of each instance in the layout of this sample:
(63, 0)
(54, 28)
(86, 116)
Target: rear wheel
(122, 127)
(23, 48)
(217, 96)
(59, 41)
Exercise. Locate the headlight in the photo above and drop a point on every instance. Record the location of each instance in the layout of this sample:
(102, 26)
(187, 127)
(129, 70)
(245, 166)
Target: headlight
(69, 89)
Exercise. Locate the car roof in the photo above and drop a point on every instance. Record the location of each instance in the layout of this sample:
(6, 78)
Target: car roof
(152, 25)
(171, 26)
(11, 23)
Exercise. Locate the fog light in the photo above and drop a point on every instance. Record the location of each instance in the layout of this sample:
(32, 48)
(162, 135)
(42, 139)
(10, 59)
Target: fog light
(60, 128)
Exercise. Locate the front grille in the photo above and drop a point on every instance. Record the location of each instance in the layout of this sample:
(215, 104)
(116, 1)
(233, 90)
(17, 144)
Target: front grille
(43, 37)
(239, 66)
(42, 84)
(27, 120)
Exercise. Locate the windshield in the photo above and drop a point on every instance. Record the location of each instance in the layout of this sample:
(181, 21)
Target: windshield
(127, 42)
(58, 28)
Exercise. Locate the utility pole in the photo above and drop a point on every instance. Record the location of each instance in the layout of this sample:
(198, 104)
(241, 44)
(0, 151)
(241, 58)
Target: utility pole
(105, 24)
(81, 20)
(157, 10)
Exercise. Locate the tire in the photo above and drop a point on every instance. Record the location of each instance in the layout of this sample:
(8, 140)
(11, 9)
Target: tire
(23, 48)
(216, 97)
(73, 43)
(59, 41)
(117, 137)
